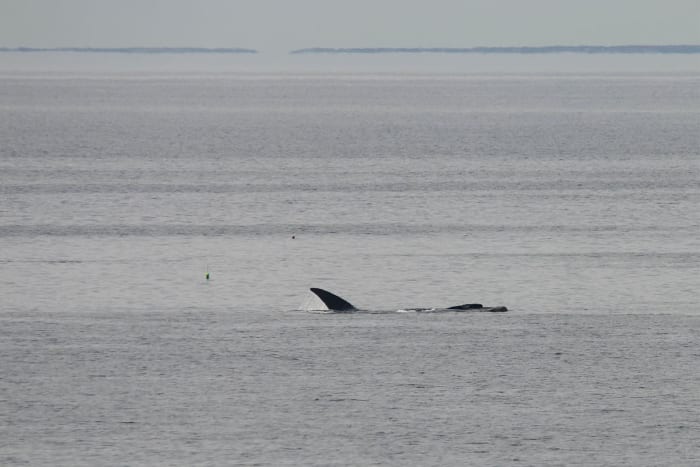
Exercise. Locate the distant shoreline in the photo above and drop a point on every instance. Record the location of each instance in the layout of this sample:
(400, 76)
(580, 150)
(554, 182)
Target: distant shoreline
(133, 50)
(577, 49)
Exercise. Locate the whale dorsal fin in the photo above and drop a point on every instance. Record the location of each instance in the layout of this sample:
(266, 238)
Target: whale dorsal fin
(332, 301)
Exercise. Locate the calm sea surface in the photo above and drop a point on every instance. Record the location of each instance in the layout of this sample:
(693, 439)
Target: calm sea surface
(572, 199)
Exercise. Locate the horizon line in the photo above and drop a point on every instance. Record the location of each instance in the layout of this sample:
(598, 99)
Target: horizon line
(143, 50)
(546, 49)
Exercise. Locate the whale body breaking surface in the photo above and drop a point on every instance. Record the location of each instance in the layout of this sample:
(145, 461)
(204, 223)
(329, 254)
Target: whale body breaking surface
(336, 303)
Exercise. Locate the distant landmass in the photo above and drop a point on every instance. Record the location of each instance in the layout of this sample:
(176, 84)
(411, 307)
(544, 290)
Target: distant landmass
(577, 49)
(134, 50)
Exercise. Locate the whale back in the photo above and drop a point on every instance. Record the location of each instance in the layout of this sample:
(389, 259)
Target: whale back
(467, 306)
(332, 301)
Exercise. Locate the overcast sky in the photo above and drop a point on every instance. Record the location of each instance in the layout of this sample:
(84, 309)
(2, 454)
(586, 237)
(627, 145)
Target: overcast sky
(282, 25)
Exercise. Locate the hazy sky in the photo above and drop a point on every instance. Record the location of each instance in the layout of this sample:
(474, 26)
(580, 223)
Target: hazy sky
(281, 25)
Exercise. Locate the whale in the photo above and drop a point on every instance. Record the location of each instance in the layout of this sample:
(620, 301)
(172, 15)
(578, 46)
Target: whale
(335, 303)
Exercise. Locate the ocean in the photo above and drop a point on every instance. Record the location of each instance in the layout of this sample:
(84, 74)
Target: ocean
(571, 198)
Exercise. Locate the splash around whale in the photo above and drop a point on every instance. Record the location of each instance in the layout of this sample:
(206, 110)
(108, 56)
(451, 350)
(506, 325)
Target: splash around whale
(337, 304)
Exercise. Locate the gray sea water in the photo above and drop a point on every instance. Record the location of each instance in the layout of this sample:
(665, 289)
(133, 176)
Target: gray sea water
(570, 198)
